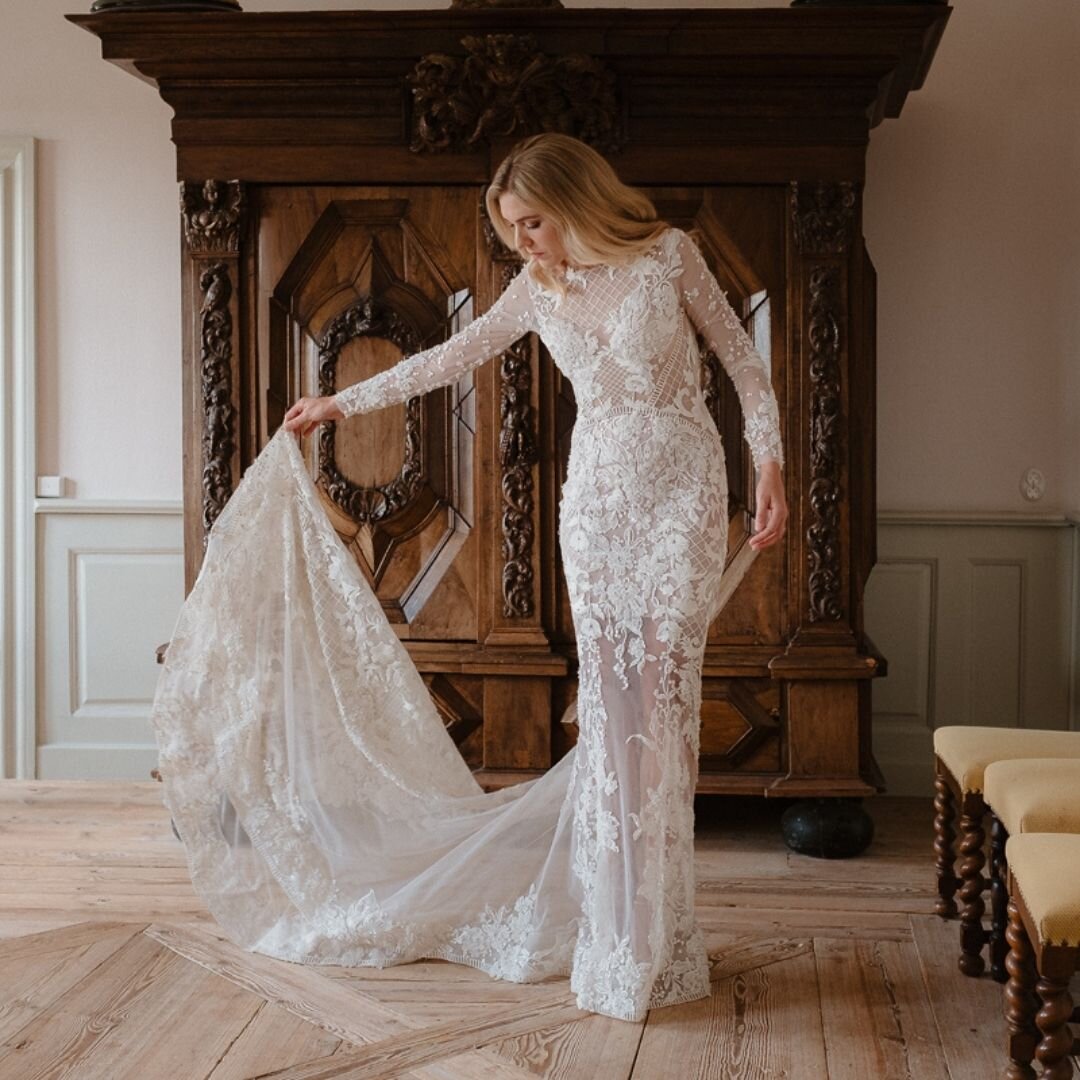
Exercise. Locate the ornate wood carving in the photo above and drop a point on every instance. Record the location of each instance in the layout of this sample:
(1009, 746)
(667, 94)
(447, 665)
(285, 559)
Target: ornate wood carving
(211, 214)
(518, 454)
(505, 85)
(823, 532)
(824, 215)
(518, 451)
(219, 414)
(368, 317)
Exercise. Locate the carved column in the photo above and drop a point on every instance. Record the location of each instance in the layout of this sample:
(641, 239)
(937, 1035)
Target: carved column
(821, 669)
(823, 224)
(212, 213)
(516, 424)
(517, 707)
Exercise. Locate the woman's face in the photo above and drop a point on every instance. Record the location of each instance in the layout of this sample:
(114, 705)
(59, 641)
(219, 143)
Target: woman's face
(535, 237)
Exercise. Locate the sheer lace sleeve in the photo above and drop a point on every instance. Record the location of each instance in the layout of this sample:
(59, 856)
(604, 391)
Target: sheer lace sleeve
(715, 319)
(510, 317)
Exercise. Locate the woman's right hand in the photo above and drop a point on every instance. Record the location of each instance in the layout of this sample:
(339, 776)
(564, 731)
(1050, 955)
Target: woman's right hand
(309, 412)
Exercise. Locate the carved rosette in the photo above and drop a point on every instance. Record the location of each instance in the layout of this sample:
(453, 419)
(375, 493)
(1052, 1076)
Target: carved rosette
(368, 317)
(504, 85)
(824, 216)
(211, 212)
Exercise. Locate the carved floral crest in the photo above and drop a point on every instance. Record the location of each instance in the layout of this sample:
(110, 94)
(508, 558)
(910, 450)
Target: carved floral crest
(505, 85)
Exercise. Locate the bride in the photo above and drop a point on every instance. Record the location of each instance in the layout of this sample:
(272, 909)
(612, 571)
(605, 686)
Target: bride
(327, 815)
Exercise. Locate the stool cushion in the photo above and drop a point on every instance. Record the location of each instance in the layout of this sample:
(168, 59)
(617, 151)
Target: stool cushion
(966, 751)
(1044, 869)
(1035, 794)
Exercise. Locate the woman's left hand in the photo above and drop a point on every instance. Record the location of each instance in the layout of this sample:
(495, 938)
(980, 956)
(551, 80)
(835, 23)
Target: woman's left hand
(772, 511)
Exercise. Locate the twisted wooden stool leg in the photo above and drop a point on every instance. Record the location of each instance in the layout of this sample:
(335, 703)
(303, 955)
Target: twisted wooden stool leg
(1020, 1001)
(944, 850)
(972, 884)
(1053, 1021)
(999, 898)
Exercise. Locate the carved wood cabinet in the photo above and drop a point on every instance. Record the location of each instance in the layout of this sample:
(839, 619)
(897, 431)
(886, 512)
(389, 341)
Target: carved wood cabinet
(332, 168)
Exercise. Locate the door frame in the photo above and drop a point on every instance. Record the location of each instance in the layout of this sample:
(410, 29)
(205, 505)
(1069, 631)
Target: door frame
(18, 459)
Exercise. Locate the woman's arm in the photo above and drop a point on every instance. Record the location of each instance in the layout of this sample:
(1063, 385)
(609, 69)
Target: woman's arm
(713, 316)
(715, 319)
(509, 318)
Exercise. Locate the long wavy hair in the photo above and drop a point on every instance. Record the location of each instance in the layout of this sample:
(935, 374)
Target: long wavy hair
(599, 218)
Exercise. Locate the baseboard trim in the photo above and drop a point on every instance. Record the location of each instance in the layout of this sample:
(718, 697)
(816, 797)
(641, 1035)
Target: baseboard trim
(96, 761)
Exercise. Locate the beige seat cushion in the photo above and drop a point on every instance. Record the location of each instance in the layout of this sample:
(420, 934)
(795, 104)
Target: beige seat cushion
(1046, 869)
(1035, 794)
(966, 751)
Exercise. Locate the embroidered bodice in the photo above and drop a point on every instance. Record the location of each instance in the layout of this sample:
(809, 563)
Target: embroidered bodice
(623, 335)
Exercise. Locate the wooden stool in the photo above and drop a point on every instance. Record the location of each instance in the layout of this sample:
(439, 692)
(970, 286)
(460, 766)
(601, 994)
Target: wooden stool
(961, 754)
(1040, 795)
(1043, 881)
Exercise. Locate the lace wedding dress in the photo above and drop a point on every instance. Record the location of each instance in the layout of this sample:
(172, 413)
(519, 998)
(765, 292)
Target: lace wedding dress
(328, 817)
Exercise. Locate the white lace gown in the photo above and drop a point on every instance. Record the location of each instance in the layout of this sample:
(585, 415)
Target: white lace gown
(328, 817)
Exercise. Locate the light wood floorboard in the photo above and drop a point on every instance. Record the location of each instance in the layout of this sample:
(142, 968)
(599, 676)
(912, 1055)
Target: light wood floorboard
(112, 969)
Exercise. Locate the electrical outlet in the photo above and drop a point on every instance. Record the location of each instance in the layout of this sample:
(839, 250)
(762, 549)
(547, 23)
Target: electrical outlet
(1033, 485)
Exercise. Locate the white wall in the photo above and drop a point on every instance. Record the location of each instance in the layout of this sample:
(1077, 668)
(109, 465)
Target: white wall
(108, 257)
(972, 220)
(972, 217)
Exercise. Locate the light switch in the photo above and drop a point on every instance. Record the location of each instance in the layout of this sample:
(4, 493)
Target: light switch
(51, 487)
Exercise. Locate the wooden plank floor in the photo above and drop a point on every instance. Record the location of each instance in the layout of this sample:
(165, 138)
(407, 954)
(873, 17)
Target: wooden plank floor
(110, 967)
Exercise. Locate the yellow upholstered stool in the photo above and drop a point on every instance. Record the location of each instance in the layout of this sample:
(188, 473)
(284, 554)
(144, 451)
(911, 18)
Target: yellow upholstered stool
(1043, 882)
(1035, 794)
(961, 755)
(1024, 795)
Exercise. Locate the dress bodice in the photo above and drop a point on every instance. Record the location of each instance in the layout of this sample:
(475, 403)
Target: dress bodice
(624, 335)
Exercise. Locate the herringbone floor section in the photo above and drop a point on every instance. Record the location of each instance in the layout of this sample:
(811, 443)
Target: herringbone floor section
(110, 969)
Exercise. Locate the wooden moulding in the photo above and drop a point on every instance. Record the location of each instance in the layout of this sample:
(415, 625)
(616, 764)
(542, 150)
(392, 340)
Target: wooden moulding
(733, 95)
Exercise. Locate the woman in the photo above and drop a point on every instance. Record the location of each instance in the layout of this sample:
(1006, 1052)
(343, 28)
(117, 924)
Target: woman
(359, 836)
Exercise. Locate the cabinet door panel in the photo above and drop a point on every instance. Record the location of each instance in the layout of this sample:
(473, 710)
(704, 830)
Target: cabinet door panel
(345, 282)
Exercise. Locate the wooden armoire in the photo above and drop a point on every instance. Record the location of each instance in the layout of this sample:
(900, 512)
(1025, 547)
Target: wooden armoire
(332, 167)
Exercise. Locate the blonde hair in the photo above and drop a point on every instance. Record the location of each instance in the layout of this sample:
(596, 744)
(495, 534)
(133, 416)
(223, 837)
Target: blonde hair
(599, 218)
